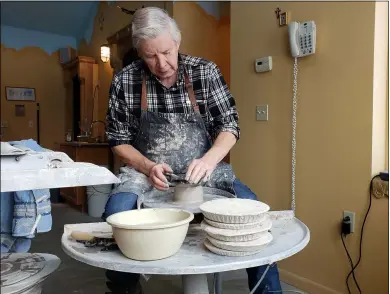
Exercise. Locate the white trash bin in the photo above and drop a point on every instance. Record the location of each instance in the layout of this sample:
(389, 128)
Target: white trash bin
(97, 199)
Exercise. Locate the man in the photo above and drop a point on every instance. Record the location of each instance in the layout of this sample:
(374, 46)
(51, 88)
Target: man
(170, 112)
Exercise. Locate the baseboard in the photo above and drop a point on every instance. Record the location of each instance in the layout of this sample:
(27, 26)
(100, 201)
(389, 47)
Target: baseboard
(304, 284)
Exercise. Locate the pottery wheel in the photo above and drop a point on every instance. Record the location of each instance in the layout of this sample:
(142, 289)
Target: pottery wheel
(159, 199)
(20, 271)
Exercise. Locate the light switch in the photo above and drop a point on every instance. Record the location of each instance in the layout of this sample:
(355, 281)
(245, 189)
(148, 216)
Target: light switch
(4, 124)
(262, 112)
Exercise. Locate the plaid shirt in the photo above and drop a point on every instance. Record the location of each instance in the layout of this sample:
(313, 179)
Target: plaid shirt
(216, 104)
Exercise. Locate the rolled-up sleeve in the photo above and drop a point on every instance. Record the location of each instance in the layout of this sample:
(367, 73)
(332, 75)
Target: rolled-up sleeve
(221, 105)
(121, 124)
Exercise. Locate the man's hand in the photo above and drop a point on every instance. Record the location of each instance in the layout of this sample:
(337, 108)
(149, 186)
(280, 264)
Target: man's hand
(157, 177)
(200, 169)
(133, 158)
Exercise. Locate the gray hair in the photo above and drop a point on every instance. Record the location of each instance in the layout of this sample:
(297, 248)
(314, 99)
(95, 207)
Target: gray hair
(151, 22)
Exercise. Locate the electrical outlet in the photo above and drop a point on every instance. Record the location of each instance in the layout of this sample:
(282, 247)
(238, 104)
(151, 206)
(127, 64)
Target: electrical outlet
(263, 64)
(352, 219)
(30, 124)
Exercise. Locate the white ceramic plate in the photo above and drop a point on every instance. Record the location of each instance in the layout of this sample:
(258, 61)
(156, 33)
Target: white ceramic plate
(247, 246)
(234, 211)
(212, 223)
(224, 252)
(236, 235)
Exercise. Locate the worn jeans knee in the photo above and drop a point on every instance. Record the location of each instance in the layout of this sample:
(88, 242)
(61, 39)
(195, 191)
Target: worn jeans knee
(242, 191)
(119, 202)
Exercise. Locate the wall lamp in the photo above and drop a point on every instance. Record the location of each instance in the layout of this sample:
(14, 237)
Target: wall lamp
(105, 53)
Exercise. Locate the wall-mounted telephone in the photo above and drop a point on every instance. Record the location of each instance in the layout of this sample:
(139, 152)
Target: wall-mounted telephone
(302, 38)
(302, 43)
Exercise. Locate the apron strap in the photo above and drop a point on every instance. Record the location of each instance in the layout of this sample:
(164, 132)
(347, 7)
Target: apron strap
(191, 93)
(190, 90)
(144, 102)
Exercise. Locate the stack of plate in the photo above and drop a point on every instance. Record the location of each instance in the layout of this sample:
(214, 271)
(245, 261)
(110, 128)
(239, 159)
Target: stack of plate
(236, 227)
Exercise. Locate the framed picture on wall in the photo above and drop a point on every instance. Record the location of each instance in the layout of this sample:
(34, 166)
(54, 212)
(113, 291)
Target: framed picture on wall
(19, 94)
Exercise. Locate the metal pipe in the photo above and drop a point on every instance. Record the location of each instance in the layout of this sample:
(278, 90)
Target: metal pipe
(38, 133)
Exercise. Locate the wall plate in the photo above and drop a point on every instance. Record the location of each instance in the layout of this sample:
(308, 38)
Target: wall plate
(20, 110)
(262, 112)
(263, 64)
(352, 219)
(283, 19)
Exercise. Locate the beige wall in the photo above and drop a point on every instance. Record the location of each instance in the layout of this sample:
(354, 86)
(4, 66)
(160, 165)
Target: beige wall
(204, 35)
(198, 29)
(114, 20)
(33, 67)
(334, 135)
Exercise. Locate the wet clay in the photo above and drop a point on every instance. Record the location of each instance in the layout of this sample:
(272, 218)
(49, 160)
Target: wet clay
(185, 193)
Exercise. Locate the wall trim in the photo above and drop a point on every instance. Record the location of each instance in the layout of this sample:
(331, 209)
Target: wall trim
(304, 283)
(18, 39)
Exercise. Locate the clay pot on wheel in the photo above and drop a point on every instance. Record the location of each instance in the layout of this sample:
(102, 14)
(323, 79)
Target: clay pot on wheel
(187, 193)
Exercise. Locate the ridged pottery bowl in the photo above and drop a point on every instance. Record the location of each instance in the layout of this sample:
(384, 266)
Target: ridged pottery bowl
(234, 210)
(150, 233)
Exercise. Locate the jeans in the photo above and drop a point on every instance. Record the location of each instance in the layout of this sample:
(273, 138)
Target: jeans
(128, 201)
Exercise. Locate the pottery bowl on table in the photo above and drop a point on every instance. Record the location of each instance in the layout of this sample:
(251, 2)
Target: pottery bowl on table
(150, 233)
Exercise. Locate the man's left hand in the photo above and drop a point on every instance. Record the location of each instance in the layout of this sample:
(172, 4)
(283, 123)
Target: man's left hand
(200, 169)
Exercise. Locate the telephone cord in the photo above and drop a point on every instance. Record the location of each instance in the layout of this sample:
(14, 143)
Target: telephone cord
(294, 131)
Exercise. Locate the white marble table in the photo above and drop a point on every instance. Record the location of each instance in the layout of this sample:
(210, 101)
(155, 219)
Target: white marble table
(194, 260)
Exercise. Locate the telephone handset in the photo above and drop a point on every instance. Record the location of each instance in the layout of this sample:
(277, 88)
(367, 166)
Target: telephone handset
(302, 38)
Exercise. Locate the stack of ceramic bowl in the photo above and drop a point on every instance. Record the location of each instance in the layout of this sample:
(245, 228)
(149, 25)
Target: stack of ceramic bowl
(236, 227)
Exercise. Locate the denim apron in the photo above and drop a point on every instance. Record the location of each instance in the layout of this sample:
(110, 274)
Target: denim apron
(175, 139)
